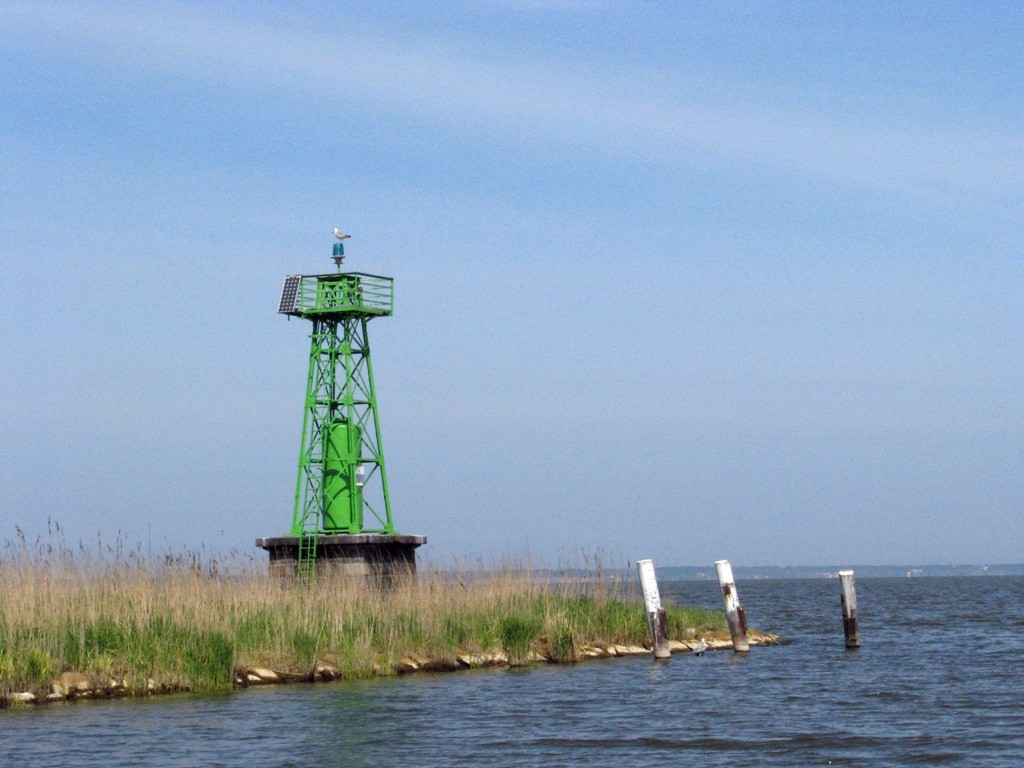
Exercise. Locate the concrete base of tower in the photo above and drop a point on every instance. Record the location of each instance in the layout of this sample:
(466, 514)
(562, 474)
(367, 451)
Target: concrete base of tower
(364, 555)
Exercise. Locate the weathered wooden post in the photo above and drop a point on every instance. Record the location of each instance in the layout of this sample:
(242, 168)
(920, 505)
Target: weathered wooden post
(849, 603)
(733, 610)
(656, 620)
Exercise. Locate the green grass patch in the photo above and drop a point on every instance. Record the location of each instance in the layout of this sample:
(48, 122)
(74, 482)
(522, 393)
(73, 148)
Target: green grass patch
(518, 635)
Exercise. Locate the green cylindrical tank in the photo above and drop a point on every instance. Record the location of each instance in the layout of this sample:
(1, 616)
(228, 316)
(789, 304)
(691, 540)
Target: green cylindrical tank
(343, 497)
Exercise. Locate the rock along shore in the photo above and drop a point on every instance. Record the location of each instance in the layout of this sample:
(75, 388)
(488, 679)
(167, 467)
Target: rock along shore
(71, 686)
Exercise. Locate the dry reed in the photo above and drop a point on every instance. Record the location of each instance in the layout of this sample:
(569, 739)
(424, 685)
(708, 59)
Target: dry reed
(188, 621)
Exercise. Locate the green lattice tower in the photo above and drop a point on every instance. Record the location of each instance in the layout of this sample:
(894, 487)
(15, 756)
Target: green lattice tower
(342, 485)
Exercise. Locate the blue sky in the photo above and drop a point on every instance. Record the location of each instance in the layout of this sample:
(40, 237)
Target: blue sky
(673, 281)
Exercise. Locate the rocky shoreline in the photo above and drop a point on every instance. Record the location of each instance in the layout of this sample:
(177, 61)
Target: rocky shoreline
(72, 686)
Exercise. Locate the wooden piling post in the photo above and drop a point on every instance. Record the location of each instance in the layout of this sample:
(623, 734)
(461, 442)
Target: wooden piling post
(733, 610)
(656, 621)
(849, 603)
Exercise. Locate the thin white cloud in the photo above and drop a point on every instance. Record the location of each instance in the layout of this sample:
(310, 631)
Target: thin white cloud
(531, 99)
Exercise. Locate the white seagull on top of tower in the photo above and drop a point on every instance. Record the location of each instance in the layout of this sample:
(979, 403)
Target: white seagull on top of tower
(340, 235)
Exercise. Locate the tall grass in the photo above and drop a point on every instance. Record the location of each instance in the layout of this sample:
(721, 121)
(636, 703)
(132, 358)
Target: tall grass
(188, 624)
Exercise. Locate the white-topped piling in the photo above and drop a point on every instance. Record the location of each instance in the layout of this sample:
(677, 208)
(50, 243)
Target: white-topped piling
(656, 620)
(849, 603)
(734, 614)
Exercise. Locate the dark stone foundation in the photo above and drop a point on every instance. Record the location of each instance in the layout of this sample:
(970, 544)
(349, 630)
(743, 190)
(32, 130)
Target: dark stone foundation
(366, 555)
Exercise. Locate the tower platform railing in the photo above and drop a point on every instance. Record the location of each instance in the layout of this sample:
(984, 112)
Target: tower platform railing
(341, 294)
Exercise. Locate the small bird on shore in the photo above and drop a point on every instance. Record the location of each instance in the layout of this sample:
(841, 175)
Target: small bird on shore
(340, 235)
(699, 648)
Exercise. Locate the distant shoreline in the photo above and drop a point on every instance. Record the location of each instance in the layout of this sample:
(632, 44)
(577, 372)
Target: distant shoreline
(762, 572)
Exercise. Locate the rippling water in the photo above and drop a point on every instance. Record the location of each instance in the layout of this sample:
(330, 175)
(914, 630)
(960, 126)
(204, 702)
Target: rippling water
(937, 681)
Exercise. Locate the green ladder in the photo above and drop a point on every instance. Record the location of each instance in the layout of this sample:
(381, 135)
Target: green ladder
(305, 569)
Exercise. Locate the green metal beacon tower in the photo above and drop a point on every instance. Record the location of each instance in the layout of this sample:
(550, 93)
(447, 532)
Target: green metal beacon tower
(341, 522)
